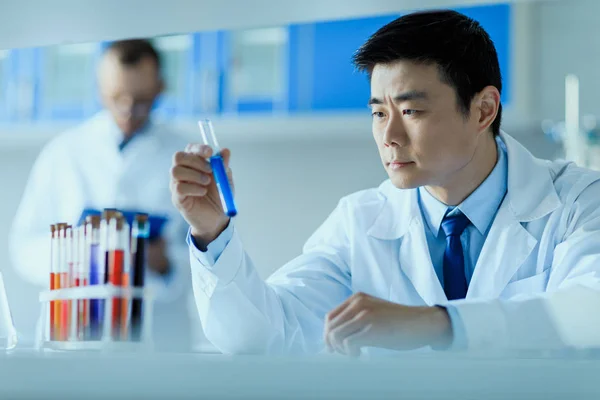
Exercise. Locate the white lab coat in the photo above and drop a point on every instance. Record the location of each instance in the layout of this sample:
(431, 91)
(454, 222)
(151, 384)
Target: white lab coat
(83, 168)
(545, 237)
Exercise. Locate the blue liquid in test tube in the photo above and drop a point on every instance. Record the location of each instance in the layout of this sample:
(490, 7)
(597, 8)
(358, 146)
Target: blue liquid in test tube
(218, 168)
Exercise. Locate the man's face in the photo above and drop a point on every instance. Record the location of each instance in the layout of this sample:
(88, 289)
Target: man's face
(129, 91)
(422, 136)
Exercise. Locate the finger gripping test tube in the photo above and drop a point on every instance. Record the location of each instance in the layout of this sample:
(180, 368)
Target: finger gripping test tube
(218, 168)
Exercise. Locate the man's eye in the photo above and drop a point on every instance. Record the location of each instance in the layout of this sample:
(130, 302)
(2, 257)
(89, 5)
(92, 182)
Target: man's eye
(409, 112)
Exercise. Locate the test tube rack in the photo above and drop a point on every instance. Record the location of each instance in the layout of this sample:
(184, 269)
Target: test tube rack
(106, 342)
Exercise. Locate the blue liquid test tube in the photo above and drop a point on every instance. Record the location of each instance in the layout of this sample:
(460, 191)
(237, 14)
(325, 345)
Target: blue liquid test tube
(218, 168)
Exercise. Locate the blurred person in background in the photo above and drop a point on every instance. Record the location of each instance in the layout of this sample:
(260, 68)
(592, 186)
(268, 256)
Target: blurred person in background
(472, 242)
(118, 159)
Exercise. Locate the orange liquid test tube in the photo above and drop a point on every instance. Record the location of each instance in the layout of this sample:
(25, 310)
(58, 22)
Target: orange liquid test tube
(60, 260)
(65, 279)
(125, 306)
(53, 257)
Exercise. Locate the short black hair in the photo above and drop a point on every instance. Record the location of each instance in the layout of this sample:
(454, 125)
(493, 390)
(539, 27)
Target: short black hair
(132, 51)
(463, 51)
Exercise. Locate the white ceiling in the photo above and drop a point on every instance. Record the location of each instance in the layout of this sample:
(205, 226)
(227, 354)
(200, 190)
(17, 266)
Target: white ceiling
(25, 23)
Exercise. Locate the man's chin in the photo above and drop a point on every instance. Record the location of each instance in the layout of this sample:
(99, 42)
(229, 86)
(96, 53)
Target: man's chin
(405, 181)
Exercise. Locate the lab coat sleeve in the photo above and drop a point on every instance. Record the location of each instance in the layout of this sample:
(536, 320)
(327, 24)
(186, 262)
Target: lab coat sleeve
(566, 315)
(214, 248)
(241, 313)
(459, 341)
(30, 234)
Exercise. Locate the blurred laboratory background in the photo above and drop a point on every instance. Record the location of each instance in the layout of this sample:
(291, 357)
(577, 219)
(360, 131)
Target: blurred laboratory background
(287, 101)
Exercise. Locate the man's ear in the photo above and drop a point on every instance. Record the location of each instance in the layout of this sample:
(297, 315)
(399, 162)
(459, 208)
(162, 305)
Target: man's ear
(487, 106)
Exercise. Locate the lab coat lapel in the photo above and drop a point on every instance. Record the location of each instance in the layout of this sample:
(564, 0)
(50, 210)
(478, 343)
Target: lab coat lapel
(400, 219)
(144, 145)
(415, 261)
(506, 247)
(530, 195)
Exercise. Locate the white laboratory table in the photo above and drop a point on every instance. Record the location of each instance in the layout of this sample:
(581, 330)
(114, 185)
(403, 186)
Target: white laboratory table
(27, 374)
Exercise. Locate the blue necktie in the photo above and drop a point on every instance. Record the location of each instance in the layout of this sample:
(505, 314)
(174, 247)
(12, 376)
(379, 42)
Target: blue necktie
(455, 280)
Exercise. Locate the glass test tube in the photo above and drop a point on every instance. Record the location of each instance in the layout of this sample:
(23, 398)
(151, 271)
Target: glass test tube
(58, 271)
(84, 273)
(66, 282)
(53, 266)
(96, 274)
(218, 168)
(80, 279)
(116, 258)
(140, 233)
(103, 265)
(125, 242)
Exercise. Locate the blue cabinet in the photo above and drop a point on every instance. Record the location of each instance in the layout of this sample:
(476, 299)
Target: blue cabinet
(177, 56)
(316, 59)
(5, 64)
(335, 83)
(255, 70)
(300, 68)
(322, 76)
(66, 81)
(18, 85)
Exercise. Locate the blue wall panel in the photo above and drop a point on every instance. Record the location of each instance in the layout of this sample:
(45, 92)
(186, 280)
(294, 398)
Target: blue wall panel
(496, 20)
(318, 61)
(336, 85)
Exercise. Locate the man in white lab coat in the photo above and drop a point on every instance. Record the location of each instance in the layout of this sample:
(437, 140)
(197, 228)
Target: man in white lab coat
(472, 243)
(117, 159)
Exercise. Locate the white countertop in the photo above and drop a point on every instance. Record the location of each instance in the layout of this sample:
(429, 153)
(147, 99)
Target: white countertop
(411, 376)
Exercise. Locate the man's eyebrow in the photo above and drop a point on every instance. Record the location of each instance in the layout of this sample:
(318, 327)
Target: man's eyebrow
(407, 96)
